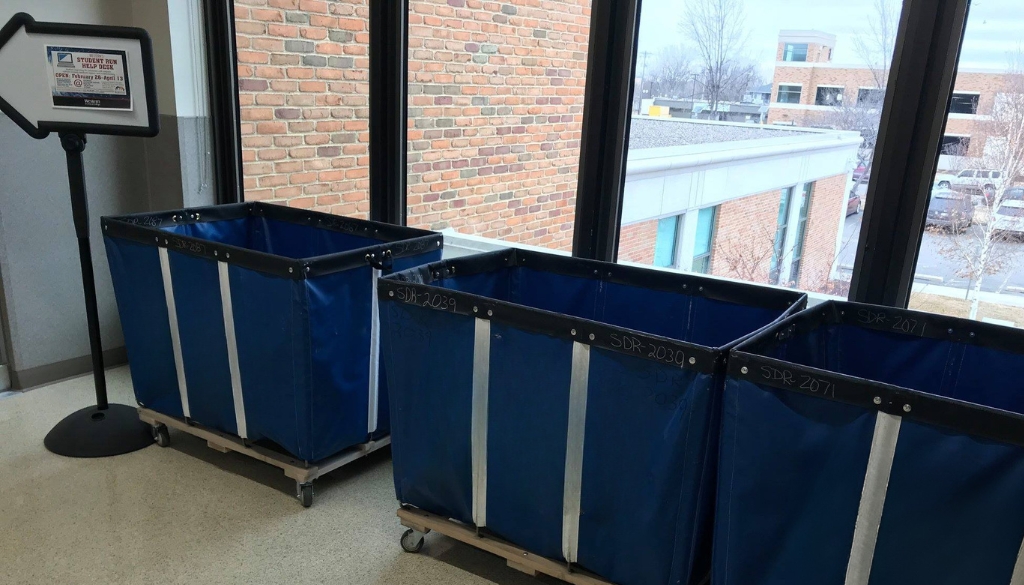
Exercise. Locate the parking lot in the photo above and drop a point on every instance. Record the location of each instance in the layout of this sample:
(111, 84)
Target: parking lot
(936, 265)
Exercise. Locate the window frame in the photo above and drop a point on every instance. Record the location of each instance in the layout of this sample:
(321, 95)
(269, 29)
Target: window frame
(799, 93)
(790, 49)
(705, 257)
(841, 93)
(795, 263)
(955, 101)
(913, 117)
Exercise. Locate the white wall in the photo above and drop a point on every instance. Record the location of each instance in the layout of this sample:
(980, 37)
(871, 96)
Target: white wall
(670, 181)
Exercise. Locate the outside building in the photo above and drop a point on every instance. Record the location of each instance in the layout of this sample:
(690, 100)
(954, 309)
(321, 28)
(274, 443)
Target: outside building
(808, 88)
(752, 202)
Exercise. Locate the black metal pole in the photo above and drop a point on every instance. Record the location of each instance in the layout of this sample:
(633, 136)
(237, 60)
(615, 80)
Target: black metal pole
(73, 145)
(105, 429)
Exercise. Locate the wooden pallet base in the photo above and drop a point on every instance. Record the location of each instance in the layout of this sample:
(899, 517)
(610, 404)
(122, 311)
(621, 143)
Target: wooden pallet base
(300, 471)
(516, 557)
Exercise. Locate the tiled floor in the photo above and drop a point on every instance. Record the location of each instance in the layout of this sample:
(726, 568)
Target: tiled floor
(187, 514)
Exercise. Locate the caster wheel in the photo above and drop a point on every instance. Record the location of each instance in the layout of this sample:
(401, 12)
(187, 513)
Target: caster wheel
(306, 494)
(412, 541)
(162, 436)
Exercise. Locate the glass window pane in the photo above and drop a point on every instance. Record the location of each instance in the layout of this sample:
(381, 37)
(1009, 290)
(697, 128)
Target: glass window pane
(496, 96)
(712, 142)
(665, 246)
(970, 263)
(303, 71)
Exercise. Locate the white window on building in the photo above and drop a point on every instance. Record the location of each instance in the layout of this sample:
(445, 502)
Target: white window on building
(801, 233)
(789, 94)
(705, 239)
(781, 231)
(795, 52)
(964, 103)
(828, 96)
(871, 97)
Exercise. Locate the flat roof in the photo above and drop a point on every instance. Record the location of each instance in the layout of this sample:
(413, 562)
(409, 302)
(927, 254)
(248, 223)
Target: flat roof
(648, 132)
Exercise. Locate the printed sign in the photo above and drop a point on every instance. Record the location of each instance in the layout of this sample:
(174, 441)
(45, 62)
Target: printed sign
(89, 78)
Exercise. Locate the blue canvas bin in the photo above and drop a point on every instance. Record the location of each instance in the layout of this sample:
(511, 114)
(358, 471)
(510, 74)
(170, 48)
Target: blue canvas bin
(260, 320)
(564, 405)
(872, 446)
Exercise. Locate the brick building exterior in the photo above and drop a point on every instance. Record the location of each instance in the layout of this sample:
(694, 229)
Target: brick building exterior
(744, 237)
(495, 111)
(818, 71)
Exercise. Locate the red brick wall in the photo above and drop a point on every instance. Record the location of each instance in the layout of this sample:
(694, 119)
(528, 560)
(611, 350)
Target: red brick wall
(637, 241)
(745, 237)
(823, 220)
(495, 111)
(303, 93)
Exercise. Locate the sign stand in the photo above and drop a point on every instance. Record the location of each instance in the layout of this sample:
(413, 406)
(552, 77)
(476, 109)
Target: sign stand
(75, 80)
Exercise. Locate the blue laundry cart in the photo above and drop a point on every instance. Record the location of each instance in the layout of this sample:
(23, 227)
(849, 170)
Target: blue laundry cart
(564, 406)
(259, 321)
(869, 446)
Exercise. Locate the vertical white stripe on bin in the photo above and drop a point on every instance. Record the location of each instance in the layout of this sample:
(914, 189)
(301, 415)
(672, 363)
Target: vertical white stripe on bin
(373, 403)
(478, 429)
(578, 381)
(872, 498)
(1018, 569)
(172, 319)
(229, 334)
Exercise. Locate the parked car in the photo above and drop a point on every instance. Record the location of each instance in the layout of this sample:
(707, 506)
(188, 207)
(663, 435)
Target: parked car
(943, 181)
(854, 204)
(1009, 216)
(861, 171)
(951, 210)
(975, 181)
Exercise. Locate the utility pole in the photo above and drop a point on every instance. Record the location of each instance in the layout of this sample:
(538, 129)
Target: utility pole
(643, 75)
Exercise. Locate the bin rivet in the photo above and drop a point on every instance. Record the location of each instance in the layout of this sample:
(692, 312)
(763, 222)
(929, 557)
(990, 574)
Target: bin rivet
(950, 331)
(227, 254)
(476, 309)
(307, 269)
(573, 332)
(215, 252)
(591, 337)
(157, 240)
(166, 242)
(693, 360)
(391, 293)
(684, 287)
(877, 400)
(701, 289)
(906, 408)
(972, 334)
(290, 270)
(744, 370)
(490, 313)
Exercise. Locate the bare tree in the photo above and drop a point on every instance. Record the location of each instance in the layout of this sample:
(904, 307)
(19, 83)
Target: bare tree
(984, 250)
(747, 256)
(674, 72)
(876, 46)
(718, 31)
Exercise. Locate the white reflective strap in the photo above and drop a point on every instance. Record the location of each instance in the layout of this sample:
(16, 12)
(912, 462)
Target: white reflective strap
(229, 334)
(478, 429)
(578, 381)
(1018, 568)
(872, 498)
(373, 404)
(172, 319)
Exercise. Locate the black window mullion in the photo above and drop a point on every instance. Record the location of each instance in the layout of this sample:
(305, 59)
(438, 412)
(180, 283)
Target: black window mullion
(606, 117)
(909, 140)
(222, 76)
(389, 99)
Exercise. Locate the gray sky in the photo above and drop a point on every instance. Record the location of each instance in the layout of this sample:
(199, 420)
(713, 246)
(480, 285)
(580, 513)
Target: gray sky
(994, 27)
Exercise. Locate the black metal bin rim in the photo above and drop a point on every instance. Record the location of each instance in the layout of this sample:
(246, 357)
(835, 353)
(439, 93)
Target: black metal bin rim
(414, 286)
(396, 241)
(745, 363)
